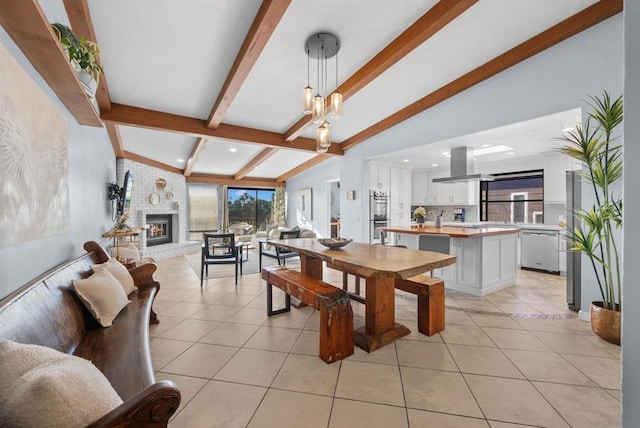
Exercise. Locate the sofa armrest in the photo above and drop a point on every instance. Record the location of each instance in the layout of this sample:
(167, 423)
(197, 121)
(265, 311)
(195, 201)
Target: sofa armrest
(143, 274)
(151, 407)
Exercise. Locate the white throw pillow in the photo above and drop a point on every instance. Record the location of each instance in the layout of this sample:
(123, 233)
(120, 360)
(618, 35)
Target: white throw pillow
(103, 295)
(130, 251)
(41, 387)
(120, 273)
(306, 233)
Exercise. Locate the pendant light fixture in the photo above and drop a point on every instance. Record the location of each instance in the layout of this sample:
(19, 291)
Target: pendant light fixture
(321, 47)
(308, 93)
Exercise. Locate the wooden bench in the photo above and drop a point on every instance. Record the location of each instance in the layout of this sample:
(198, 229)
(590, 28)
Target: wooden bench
(430, 293)
(48, 312)
(336, 315)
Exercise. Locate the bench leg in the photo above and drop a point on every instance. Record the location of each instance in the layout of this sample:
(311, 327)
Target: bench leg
(336, 330)
(431, 309)
(287, 302)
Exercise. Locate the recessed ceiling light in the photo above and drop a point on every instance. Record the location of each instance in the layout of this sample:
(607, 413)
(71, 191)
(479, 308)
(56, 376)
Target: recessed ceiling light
(180, 160)
(492, 149)
(569, 129)
(486, 145)
(446, 154)
(509, 153)
(405, 160)
(233, 149)
(434, 164)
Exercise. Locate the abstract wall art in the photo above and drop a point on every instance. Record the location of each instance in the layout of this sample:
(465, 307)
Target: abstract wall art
(34, 186)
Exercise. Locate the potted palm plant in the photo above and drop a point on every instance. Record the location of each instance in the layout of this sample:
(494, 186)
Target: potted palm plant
(595, 144)
(83, 54)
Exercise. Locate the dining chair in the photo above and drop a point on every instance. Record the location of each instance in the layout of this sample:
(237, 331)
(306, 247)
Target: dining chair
(280, 253)
(218, 249)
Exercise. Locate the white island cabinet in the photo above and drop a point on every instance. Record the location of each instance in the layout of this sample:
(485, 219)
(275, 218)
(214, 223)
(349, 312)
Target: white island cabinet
(486, 258)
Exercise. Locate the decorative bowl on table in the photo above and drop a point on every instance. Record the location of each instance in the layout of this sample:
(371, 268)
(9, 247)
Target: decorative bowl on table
(334, 243)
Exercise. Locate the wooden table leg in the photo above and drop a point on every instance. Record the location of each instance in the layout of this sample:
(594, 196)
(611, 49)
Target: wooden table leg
(311, 266)
(380, 327)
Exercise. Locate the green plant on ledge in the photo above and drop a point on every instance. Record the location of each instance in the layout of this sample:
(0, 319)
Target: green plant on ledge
(597, 148)
(84, 53)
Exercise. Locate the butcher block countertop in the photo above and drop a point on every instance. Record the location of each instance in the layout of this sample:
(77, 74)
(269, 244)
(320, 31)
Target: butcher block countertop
(453, 231)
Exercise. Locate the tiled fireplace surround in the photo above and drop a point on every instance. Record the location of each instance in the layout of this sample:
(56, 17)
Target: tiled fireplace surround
(144, 184)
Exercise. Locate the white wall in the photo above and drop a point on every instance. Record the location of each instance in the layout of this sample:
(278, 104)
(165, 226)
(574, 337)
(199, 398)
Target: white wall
(316, 179)
(631, 290)
(91, 167)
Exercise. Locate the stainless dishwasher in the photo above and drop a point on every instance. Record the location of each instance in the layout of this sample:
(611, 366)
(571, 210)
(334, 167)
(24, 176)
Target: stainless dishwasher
(540, 250)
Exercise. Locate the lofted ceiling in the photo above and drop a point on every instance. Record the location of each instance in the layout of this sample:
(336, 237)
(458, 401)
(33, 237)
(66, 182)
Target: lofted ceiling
(213, 89)
(537, 137)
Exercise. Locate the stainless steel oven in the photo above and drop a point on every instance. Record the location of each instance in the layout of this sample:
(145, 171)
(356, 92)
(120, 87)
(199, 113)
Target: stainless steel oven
(378, 214)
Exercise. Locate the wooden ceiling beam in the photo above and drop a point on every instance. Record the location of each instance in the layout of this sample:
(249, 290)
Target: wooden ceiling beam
(302, 167)
(253, 163)
(263, 26)
(229, 180)
(27, 25)
(116, 141)
(571, 26)
(198, 148)
(135, 116)
(82, 25)
(426, 26)
(151, 162)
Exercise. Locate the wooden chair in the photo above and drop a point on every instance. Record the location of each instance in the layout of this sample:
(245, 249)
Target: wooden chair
(280, 253)
(217, 249)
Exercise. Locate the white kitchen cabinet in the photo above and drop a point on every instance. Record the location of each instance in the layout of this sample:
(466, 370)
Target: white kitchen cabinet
(399, 189)
(458, 193)
(555, 190)
(464, 193)
(484, 264)
(379, 177)
(419, 188)
(400, 218)
(466, 271)
(435, 192)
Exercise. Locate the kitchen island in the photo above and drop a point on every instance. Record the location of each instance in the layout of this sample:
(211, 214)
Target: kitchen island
(486, 256)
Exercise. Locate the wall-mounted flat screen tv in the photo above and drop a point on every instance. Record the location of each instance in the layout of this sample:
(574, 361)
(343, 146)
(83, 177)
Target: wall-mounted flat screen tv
(125, 196)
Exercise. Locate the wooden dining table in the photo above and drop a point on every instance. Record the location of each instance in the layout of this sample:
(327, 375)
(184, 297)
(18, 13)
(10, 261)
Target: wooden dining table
(381, 266)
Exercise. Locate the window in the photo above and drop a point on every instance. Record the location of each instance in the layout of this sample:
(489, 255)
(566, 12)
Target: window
(250, 206)
(516, 197)
(203, 210)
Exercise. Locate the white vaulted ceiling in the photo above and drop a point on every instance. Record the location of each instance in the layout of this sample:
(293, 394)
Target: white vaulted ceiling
(168, 56)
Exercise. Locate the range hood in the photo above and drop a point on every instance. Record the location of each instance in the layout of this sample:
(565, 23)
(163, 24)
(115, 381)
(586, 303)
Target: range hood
(462, 167)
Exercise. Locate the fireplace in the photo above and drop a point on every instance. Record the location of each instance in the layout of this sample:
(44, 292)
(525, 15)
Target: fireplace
(159, 231)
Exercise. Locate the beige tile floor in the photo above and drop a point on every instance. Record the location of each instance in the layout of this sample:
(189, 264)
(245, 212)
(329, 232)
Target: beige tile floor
(515, 358)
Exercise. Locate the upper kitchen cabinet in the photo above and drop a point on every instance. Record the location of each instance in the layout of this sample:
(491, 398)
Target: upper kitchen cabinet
(379, 177)
(459, 193)
(436, 191)
(419, 188)
(400, 189)
(554, 177)
(464, 192)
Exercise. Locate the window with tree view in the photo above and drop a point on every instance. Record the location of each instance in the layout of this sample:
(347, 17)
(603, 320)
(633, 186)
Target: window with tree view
(516, 197)
(250, 206)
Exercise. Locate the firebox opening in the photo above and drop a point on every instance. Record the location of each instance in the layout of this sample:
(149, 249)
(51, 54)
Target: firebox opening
(159, 231)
